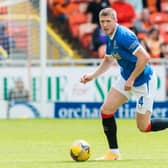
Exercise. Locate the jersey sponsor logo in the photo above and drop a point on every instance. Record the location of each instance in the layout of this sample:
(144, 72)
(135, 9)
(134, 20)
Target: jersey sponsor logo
(116, 55)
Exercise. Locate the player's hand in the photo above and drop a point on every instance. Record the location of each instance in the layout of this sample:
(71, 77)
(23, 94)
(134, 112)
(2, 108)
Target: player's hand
(128, 84)
(86, 78)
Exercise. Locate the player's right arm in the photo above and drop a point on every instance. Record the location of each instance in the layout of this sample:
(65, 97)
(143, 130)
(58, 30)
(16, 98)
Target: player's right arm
(103, 67)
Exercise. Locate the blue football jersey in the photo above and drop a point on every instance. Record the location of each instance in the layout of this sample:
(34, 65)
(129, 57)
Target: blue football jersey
(122, 46)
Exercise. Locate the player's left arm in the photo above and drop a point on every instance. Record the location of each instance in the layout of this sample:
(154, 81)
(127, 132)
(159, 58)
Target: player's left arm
(142, 59)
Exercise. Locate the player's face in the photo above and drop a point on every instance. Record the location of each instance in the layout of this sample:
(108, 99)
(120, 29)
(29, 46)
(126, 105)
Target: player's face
(107, 24)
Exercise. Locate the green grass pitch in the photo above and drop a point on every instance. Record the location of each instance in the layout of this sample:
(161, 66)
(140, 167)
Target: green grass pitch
(45, 143)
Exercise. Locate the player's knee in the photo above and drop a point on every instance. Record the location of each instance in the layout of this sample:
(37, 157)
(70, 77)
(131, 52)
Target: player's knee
(144, 127)
(141, 128)
(106, 113)
(106, 109)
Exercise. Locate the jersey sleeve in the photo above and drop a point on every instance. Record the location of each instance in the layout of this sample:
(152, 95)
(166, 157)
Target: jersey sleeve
(130, 42)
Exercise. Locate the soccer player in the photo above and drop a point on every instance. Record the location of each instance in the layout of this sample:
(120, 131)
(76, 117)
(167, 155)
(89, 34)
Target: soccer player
(137, 79)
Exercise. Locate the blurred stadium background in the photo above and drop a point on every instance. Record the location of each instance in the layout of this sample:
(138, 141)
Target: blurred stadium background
(45, 50)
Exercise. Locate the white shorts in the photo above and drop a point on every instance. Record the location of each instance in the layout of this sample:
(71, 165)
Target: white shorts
(143, 94)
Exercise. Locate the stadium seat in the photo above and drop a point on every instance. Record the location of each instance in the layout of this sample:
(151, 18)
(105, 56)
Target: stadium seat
(141, 35)
(127, 24)
(164, 6)
(163, 27)
(158, 18)
(74, 21)
(164, 35)
(164, 31)
(80, 1)
(19, 35)
(3, 10)
(86, 40)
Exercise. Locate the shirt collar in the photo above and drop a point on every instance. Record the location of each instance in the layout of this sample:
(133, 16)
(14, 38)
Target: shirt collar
(111, 37)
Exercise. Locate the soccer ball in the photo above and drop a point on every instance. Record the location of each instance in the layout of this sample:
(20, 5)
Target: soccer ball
(80, 150)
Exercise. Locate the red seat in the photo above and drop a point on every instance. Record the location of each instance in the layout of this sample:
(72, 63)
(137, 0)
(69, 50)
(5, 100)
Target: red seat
(158, 18)
(164, 35)
(20, 30)
(86, 40)
(3, 10)
(164, 6)
(19, 35)
(21, 42)
(163, 27)
(80, 1)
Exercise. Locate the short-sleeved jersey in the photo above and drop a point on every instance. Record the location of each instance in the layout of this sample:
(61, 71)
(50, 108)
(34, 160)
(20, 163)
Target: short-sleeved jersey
(123, 46)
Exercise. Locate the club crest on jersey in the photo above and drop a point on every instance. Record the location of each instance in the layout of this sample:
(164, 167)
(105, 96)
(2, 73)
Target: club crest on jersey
(116, 56)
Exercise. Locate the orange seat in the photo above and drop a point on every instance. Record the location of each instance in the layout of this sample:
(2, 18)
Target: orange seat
(142, 35)
(74, 21)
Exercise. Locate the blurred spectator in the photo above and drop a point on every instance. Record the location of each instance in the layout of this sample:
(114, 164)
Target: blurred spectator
(98, 39)
(137, 4)
(143, 24)
(18, 92)
(63, 8)
(153, 42)
(164, 50)
(94, 8)
(98, 42)
(6, 42)
(152, 5)
(76, 19)
(134, 30)
(125, 12)
(92, 11)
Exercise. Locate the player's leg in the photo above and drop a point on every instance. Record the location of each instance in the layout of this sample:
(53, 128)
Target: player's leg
(145, 107)
(114, 100)
(143, 121)
(146, 124)
(143, 116)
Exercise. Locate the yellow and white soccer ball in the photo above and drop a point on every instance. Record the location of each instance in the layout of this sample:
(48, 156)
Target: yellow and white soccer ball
(80, 150)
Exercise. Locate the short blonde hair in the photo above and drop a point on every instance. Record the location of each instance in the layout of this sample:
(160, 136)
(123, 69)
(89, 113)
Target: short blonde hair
(108, 12)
